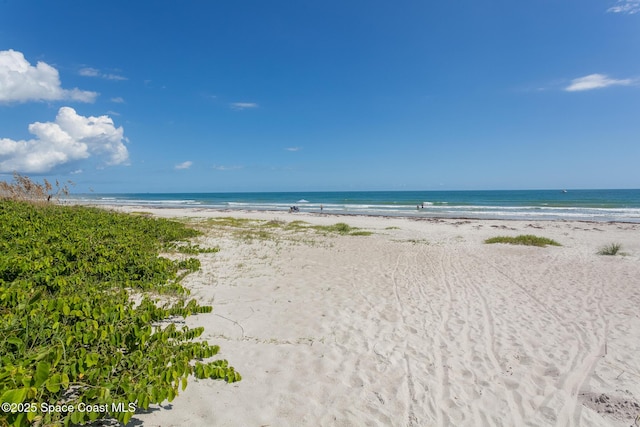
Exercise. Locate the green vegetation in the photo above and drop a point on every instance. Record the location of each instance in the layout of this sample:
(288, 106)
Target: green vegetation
(142, 213)
(524, 239)
(610, 249)
(341, 228)
(297, 226)
(243, 229)
(252, 229)
(232, 222)
(69, 331)
(190, 249)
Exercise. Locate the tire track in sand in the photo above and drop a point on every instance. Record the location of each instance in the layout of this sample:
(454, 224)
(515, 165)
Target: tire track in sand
(570, 412)
(417, 308)
(428, 313)
(437, 309)
(582, 354)
(441, 341)
(488, 333)
(411, 398)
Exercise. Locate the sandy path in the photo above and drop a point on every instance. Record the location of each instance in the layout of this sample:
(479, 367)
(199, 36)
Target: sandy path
(420, 325)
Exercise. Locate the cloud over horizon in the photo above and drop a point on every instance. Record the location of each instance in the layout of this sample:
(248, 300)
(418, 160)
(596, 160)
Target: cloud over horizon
(71, 137)
(595, 81)
(21, 82)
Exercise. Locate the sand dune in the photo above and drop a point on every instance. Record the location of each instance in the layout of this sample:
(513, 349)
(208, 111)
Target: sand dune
(419, 324)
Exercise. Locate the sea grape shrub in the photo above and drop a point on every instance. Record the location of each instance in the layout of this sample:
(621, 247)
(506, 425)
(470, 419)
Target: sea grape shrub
(69, 332)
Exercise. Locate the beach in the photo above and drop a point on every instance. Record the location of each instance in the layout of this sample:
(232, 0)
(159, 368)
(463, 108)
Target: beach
(420, 323)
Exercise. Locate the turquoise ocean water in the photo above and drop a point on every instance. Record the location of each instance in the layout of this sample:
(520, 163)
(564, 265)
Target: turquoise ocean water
(582, 205)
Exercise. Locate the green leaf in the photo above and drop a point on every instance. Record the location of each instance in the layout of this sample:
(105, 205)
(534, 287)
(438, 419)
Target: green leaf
(14, 396)
(15, 341)
(127, 416)
(53, 385)
(92, 359)
(20, 419)
(64, 380)
(35, 297)
(76, 417)
(42, 373)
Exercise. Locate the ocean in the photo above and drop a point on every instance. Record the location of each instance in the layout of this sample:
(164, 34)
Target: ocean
(580, 205)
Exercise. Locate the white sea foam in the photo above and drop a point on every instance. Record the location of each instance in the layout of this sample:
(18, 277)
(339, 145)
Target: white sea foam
(431, 208)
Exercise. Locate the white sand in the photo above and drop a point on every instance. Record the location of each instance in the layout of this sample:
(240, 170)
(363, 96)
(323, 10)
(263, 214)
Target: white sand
(419, 325)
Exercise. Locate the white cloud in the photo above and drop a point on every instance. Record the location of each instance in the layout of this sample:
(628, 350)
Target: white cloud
(118, 100)
(625, 6)
(94, 72)
(243, 105)
(70, 138)
(184, 165)
(293, 148)
(89, 72)
(113, 77)
(226, 168)
(20, 81)
(595, 81)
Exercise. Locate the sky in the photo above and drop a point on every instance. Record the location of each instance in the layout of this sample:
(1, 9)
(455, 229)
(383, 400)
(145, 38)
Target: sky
(253, 95)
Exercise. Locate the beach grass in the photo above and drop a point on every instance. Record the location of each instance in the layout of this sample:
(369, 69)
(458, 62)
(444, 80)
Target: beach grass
(342, 229)
(524, 239)
(228, 221)
(610, 249)
(141, 213)
(251, 229)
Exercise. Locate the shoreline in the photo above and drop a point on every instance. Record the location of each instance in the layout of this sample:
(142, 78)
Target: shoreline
(420, 323)
(191, 209)
(598, 205)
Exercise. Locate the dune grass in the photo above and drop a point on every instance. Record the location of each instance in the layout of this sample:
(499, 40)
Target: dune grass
(524, 239)
(341, 228)
(610, 249)
(252, 229)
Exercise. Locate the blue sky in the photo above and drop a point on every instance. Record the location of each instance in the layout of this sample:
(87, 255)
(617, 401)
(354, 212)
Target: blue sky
(195, 96)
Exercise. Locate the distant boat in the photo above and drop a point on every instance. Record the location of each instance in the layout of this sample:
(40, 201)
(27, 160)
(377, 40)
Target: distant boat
(564, 191)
